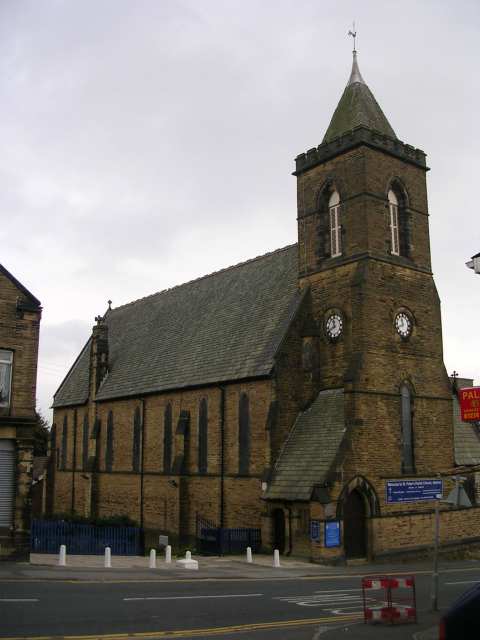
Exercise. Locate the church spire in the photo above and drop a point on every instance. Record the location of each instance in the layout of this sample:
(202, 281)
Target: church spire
(357, 108)
(355, 76)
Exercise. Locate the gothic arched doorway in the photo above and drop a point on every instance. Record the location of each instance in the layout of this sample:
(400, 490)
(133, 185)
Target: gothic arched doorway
(279, 530)
(354, 525)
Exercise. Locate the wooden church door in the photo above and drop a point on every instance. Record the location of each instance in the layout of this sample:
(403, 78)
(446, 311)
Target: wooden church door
(354, 526)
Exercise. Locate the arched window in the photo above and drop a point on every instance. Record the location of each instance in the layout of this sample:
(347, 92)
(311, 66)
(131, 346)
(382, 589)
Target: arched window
(335, 227)
(63, 463)
(394, 233)
(408, 459)
(399, 220)
(203, 436)
(85, 440)
(167, 439)
(136, 449)
(109, 445)
(243, 434)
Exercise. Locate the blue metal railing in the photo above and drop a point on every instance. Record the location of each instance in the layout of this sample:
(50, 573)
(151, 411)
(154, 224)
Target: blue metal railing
(46, 536)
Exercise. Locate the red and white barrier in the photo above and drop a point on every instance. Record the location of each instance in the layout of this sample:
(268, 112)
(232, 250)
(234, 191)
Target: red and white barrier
(378, 602)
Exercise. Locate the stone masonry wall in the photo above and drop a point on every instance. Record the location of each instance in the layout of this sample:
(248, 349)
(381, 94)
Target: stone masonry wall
(171, 501)
(19, 333)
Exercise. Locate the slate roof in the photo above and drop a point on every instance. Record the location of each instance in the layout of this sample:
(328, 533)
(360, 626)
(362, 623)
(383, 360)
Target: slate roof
(466, 434)
(224, 326)
(311, 448)
(75, 386)
(357, 107)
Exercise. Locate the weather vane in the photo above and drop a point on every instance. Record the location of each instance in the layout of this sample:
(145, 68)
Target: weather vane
(353, 33)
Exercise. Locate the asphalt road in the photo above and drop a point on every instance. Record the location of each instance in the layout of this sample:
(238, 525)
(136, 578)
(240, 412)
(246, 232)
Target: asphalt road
(309, 607)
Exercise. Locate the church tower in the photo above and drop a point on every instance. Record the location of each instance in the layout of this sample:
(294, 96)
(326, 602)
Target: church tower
(364, 255)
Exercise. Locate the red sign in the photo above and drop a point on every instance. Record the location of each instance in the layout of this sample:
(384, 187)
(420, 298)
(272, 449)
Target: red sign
(470, 404)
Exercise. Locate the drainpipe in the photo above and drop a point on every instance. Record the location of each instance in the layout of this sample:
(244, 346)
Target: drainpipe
(222, 465)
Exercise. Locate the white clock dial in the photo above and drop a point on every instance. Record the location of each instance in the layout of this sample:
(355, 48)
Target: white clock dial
(403, 324)
(334, 325)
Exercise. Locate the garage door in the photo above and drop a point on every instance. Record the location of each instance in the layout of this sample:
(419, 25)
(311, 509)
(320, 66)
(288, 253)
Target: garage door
(7, 482)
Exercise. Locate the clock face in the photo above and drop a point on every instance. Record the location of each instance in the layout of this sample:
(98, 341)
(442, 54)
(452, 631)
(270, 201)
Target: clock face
(334, 326)
(403, 324)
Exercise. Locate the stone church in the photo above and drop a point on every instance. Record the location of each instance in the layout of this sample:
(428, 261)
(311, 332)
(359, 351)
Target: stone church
(302, 392)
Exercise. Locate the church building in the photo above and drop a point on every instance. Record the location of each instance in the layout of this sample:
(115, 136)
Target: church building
(302, 393)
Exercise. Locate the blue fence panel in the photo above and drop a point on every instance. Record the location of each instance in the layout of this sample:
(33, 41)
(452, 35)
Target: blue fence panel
(213, 539)
(47, 536)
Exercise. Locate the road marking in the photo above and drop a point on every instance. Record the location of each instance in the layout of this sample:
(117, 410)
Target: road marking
(18, 599)
(202, 633)
(342, 598)
(233, 595)
(337, 591)
(463, 582)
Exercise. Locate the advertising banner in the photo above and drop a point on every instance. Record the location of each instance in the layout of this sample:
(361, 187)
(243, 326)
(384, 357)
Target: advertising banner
(470, 404)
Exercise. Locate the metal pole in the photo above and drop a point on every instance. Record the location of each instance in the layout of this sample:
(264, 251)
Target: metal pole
(435, 557)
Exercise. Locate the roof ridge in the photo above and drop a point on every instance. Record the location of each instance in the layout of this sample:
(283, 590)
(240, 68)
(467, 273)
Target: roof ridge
(204, 277)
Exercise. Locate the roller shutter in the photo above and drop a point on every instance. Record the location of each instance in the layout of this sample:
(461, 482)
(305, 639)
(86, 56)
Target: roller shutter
(7, 482)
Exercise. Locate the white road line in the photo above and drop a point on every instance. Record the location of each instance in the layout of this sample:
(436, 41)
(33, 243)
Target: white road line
(463, 582)
(338, 591)
(18, 599)
(236, 595)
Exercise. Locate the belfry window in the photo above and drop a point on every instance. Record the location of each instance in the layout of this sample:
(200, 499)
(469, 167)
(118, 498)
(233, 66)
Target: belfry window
(408, 459)
(335, 227)
(394, 235)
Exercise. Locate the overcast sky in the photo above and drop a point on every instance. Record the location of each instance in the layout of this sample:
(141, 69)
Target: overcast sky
(148, 142)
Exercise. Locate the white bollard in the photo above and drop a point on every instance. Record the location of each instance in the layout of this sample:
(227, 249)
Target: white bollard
(62, 556)
(276, 558)
(152, 564)
(168, 554)
(249, 554)
(108, 558)
(187, 562)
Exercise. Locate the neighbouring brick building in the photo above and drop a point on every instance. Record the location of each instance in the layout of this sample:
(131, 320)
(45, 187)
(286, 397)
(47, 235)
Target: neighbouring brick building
(292, 390)
(20, 314)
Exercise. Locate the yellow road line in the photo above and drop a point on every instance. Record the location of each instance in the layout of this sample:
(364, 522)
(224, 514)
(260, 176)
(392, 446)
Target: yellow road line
(192, 633)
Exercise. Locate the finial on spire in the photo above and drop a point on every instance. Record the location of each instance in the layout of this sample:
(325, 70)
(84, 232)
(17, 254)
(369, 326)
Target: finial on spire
(355, 76)
(353, 33)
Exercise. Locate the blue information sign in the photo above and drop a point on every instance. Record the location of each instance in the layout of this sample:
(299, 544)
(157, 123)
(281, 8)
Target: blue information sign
(413, 490)
(314, 530)
(332, 533)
